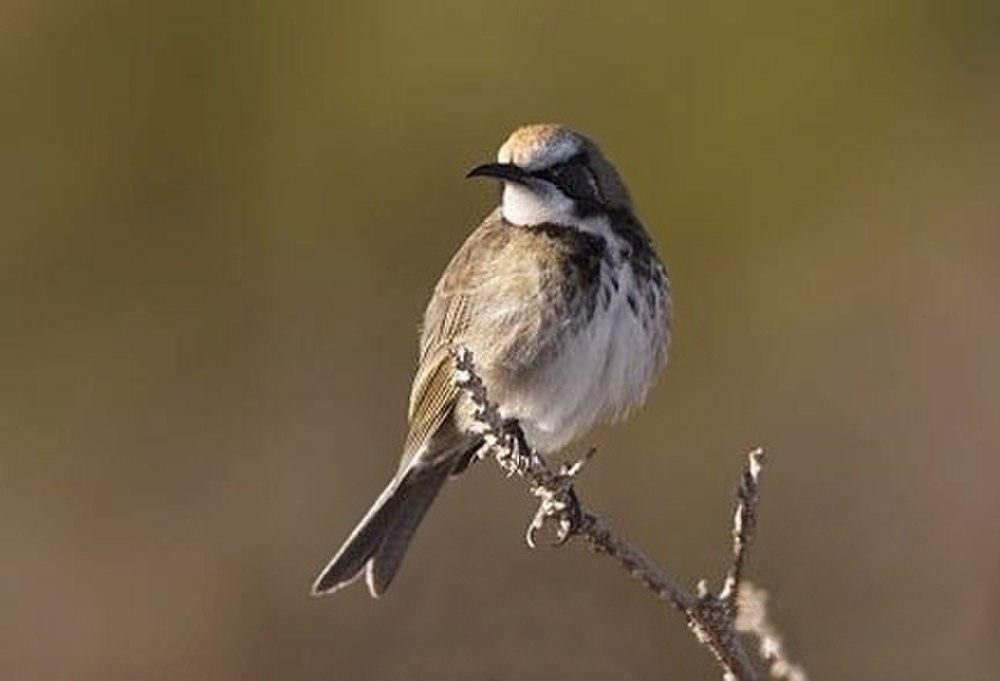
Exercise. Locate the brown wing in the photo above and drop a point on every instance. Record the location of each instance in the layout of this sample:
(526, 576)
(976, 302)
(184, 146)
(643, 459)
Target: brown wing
(497, 291)
(434, 393)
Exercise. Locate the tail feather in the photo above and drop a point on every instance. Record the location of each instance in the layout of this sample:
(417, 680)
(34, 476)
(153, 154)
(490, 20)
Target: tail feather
(380, 539)
(388, 556)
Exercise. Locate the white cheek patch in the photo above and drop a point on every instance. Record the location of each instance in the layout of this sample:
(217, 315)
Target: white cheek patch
(544, 204)
(527, 206)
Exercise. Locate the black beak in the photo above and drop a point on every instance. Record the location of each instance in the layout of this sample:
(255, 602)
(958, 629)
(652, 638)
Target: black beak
(501, 171)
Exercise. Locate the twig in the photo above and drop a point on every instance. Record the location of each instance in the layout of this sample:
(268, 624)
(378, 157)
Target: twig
(712, 618)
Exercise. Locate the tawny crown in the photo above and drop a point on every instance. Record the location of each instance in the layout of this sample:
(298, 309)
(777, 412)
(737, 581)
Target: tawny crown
(540, 146)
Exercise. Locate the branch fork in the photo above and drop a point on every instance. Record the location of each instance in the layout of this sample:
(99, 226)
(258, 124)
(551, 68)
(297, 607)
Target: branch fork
(714, 619)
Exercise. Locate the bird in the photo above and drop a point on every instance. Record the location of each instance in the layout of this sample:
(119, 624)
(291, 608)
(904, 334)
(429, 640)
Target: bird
(565, 305)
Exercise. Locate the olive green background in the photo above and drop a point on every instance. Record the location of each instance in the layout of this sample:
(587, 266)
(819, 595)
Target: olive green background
(220, 223)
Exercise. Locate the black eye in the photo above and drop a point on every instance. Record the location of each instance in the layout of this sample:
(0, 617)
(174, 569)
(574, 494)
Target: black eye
(574, 180)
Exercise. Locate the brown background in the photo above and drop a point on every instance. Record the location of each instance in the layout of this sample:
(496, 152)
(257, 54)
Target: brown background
(221, 221)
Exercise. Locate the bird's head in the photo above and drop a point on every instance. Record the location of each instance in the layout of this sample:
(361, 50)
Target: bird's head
(553, 174)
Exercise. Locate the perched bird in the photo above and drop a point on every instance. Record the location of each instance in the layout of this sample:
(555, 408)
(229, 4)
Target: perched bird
(562, 300)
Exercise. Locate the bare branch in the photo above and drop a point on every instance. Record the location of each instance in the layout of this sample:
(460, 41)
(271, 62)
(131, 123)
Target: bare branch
(744, 524)
(711, 618)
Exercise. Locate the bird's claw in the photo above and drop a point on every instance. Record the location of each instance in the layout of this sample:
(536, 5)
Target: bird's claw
(560, 503)
(561, 506)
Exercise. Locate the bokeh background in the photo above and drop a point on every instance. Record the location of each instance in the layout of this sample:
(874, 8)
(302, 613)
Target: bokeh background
(220, 223)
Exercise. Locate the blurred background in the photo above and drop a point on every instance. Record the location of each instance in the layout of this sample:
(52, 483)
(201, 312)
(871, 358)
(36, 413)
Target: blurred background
(221, 221)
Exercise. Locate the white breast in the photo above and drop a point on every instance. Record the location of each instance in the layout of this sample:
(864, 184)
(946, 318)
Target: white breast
(602, 371)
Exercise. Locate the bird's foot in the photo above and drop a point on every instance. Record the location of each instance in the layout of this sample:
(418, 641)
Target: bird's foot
(559, 503)
(519, 457)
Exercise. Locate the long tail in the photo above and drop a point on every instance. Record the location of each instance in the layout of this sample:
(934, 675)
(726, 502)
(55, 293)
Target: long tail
(377, 545)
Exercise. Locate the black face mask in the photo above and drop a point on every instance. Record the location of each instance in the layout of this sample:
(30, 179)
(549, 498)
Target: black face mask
(574, 179)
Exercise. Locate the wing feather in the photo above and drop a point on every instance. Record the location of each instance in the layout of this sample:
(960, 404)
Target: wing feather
(432, 401)
(463, 291)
